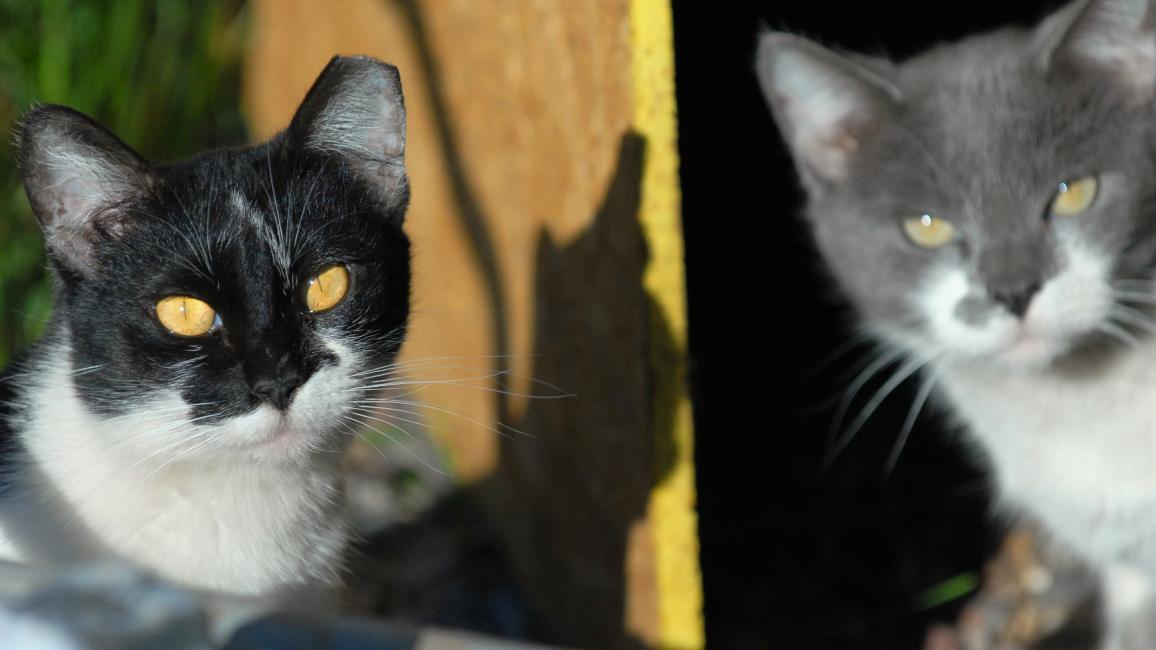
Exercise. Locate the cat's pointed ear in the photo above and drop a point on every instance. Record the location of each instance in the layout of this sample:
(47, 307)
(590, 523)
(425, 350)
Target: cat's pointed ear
(80, 179)
(1113, 38)
(355, 111)
(825, 104)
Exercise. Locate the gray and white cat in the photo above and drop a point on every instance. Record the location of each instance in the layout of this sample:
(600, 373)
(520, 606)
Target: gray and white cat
(217, 323)
(989, 207)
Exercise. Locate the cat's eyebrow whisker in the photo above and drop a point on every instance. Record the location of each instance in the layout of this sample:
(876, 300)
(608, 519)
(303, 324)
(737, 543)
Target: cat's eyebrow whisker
(304, 207)
(281, 256)
(201, 251)
(202, 271)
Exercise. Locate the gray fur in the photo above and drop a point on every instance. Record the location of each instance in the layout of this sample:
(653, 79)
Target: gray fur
(981, 132)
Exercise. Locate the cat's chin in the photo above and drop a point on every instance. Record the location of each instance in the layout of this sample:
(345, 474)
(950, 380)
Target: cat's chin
(1031, 353)
(268, 435)
(286, 443)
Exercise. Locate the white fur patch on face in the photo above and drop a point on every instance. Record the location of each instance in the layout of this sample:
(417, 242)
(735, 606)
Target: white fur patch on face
(311, 424)
(939, 301)
(1074, 303)
(163, 432)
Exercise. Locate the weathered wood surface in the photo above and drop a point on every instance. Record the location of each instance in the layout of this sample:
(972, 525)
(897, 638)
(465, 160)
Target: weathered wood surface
(528, 165)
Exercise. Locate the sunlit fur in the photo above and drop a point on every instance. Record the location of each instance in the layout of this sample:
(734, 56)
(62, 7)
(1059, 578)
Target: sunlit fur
(211, 459)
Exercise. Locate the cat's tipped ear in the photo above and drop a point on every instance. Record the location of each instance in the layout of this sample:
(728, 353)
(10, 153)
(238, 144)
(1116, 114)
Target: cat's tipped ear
(825, 104)
(355, 111)
(1113, 38)
(80, 179)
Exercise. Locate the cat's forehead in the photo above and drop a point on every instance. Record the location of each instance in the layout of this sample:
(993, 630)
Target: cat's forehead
(984, 97)
(997, 126)
(233, 215)
(252, 193)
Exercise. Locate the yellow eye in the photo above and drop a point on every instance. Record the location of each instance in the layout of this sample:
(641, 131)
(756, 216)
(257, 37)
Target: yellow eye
(186, 316)
(327, 288)
(1073, 197)
(928, 231)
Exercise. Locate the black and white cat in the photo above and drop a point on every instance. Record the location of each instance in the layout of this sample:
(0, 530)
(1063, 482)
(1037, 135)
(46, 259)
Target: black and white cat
(216, 321)
(989, 207)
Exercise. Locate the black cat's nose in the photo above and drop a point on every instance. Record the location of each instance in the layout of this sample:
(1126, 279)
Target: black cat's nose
(1016, 299)
(277, 391)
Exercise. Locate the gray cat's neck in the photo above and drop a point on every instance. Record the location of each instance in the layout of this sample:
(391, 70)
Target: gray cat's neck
(1076, 444)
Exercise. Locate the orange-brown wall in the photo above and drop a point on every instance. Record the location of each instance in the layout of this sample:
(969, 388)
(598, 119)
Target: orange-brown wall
(526, 176)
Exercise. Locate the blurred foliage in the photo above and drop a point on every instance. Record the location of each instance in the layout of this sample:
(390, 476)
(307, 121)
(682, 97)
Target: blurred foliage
(163, 75)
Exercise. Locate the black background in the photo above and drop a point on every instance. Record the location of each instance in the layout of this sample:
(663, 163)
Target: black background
(795, 556)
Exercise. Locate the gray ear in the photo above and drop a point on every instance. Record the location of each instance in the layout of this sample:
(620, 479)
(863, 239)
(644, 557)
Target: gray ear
(355, 111)
(1113, 38)
(825, 104)
(80, 179)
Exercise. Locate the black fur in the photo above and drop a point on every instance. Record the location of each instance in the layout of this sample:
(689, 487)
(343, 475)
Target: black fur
(215, 227)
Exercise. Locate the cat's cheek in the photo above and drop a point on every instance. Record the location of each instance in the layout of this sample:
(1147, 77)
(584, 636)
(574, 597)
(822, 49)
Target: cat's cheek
(1077, 301)
(325, 401)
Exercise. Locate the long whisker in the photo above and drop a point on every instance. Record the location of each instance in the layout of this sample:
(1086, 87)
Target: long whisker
(372, 414)
(1132, 317)
(399, 443)
(909, 423)
(1119, 333)
(440, 409)
(410, 363)
(882, 361)
(205, 441)
(906, 370)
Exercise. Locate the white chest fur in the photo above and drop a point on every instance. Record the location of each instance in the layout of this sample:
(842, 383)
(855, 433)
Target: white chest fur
(233, 525)
(1077, 449)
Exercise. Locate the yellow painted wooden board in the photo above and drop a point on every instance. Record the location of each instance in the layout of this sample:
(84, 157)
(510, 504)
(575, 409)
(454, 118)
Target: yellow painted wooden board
(673, 503)
(545, 218)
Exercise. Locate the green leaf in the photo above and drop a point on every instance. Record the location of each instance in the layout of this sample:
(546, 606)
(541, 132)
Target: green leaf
(951, 589)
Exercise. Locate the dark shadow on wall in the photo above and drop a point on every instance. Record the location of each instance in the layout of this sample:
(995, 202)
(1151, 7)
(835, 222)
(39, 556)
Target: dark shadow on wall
(549, 560)
(567, 496)
(570, 495)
